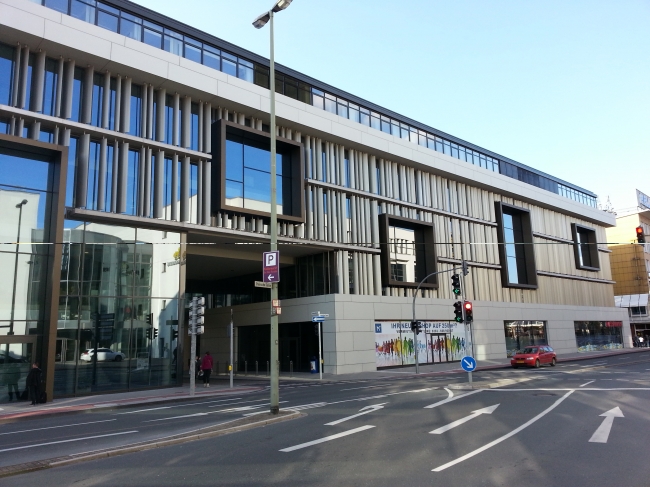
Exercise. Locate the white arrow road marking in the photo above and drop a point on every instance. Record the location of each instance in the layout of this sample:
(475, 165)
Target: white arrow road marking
(449, 399)
(458, 422)
(504, 437)
(362, 411)
(328, 438)
(68, 441)
(602, 433)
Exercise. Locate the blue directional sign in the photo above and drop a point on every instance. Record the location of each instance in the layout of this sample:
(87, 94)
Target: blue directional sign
(377, 327)
(468, 364)
(317, 319)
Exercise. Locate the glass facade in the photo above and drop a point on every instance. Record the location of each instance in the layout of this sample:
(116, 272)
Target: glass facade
(524, 333)
(161, 37)
(114, 299)
(248, 176)
(593, 336)
(514, 240)
(402, 254)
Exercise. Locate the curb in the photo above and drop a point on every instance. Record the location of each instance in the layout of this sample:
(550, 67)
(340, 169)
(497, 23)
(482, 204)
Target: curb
(136, 447)
(108, 406)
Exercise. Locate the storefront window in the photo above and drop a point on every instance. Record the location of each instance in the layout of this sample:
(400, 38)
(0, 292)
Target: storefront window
(598, 335)
(520, 334)
(117, 311)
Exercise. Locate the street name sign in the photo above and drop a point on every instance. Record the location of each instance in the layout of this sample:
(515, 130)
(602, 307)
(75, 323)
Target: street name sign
(267, 285)
(317, 319)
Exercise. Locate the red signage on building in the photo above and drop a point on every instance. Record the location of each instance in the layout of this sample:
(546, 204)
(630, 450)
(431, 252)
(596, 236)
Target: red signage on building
(613, 323)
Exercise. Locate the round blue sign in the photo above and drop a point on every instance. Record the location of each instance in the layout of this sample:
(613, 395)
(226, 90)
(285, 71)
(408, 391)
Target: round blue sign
(468, 364)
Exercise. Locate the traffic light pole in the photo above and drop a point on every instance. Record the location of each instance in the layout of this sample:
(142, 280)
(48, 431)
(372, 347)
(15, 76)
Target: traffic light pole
(415, 331)
(192, 355)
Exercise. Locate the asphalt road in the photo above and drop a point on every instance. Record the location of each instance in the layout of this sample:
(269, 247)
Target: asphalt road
(532, 427)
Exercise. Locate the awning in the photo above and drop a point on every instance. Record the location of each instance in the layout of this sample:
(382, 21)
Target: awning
(631, 300)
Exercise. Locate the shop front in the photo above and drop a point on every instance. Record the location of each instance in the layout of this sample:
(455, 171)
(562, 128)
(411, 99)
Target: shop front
(594, 336)
(523, 333)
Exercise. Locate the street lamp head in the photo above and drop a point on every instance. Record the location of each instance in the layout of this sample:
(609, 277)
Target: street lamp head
(22, 203)
(261, 21)
(281, 5)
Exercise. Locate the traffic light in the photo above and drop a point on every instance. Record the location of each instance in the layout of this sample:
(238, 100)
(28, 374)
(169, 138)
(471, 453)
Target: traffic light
(149, 318)
(455, 284)
(458, 311)
(155, 333)
(640, 236)
(465, 268)
(469, 317)
(148, 333)
(416, 326)
(174, 334)
(197, 310)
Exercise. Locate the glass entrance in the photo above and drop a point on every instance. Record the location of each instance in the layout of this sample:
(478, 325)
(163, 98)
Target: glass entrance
(437, 348)
(66, 350)
(15, 362)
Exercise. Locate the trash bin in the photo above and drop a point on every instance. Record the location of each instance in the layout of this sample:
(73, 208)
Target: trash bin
(312, 366)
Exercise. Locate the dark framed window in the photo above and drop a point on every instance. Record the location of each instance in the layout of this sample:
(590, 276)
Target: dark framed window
(585, 247)
(408, 252)
(242, 176)
(516, 249)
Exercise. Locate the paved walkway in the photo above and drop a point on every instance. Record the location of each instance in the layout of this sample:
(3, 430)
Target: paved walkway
(245, 384)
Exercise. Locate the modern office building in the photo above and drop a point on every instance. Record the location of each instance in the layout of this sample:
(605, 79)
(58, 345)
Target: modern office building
(135, 174)
(631, 266)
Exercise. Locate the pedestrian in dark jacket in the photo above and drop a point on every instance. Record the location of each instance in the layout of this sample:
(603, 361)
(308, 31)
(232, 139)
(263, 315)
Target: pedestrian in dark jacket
(206, 367)
(33, 382)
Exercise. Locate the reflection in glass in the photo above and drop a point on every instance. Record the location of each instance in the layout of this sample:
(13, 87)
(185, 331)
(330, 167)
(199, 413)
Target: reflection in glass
(402, 254)
(521, 334)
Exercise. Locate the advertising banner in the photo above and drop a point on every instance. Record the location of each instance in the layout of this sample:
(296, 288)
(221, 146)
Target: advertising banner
(438, 342)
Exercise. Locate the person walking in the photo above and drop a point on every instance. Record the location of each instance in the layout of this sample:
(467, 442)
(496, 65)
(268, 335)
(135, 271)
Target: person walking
(206, 367)
(33, 382)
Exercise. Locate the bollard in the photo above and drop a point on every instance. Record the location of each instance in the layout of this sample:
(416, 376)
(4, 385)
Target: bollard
(290, 368)
(256, 367)
(267, 367)
(245, 367)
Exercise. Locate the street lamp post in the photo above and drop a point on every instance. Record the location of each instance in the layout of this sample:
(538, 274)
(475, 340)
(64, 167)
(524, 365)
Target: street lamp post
(13, 295)
(258, 23)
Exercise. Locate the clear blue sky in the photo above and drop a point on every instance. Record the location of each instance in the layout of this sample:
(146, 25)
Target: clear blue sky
(561, 86)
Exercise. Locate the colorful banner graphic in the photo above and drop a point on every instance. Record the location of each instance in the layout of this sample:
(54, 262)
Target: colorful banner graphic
(439, 342)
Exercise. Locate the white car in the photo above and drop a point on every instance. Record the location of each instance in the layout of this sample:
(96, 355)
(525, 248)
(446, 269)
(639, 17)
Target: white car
(103, 354)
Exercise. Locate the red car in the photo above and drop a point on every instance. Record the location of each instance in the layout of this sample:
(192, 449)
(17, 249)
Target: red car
(534, 357)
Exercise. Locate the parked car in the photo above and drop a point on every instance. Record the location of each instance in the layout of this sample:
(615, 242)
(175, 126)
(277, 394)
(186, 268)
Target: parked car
(534, 357)
(103, 354)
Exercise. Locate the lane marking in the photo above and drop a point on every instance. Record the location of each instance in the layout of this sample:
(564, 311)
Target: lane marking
(181, 405)
(458, 422)
(307, 406)
(362, 411)
(53, 427)
(569, 389)
(194, 415)
(504, 437)
(602, 433)
(366, 387)
(67, 441)
(449, 399)
(587, 383)
(328, 438)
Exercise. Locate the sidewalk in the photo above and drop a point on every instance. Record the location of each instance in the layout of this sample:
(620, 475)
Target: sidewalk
(24, 410)
(220, 386)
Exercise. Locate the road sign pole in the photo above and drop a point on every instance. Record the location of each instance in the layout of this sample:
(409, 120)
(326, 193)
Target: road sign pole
(320, 352)
(192, 349)
(232, 329)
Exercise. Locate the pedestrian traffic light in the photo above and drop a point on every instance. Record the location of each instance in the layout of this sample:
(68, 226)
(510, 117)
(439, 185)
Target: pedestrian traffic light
(174, 334)
(640, 236)
(148, 333)
(155, 333)
(458, 311)
(455, 283)
(469, 317)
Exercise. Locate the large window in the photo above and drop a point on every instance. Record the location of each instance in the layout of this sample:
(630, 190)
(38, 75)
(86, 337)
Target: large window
(585, 247)
(407, 252)
(516, 251)
(523, 333)
(246, 172)
(598, 335)
(6, 73)
(50, 81)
